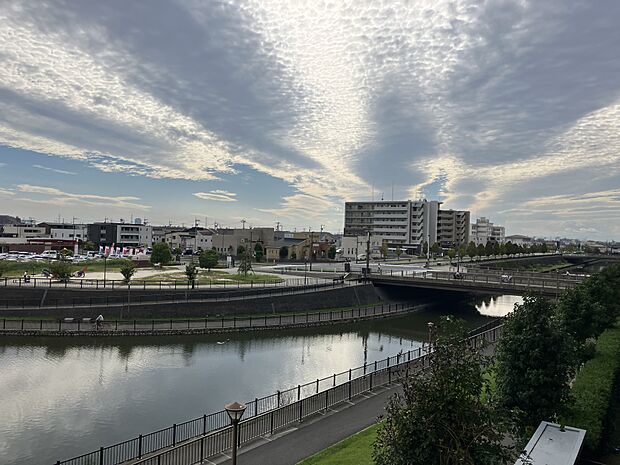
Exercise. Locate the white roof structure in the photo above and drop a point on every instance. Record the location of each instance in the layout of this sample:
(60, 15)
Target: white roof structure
(553, 445)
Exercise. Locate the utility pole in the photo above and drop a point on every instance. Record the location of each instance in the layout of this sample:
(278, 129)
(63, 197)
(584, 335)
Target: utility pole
(311, 247)
(243, 221)
(196, 221)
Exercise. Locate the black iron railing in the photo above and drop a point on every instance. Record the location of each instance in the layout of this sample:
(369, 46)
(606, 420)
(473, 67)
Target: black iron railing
(191, 442)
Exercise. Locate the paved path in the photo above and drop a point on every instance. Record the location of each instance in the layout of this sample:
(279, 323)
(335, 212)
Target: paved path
(314, 435)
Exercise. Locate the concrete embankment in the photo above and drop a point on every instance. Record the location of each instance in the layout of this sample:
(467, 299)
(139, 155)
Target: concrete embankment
(321, 298)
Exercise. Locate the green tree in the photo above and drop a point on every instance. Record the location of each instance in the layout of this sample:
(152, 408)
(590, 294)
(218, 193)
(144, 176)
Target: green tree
(480, 250)
(488, 248)
(536, 361)
(496, 248)
(245, 264)
(331, 253)
(191, 271)
(399, 252)
(61, 270)
(3, 267)
(88, 246)
(441, 417)
(240, 251)
(580, 315)
(283, 252)
(66, 253)
(452, 253)
(127, 269)
(424, 248)
(258, 252)
(544, 248)
(472, 250)
(208, 259)
(161, 254)
(435, 248)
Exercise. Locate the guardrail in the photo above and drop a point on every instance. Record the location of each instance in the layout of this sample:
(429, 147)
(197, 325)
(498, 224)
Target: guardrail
(127, 298)
(199, 325)
(193, 441)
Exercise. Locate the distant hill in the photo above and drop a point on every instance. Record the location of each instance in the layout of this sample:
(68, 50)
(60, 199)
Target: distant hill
(6, 219)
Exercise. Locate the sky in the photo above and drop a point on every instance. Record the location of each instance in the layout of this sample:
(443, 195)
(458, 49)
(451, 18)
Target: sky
(280, 111)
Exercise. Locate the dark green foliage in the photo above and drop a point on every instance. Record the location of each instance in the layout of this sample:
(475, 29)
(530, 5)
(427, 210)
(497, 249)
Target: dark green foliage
(161, 254)
(593, 389)
(128, 268)
(258, 252)
(441, 418)
(88, 245)
(191, 271)
(3, 267)
(536, 361)
(435, 248)
(240, 251)
(208, 259)
(472, 250)
(61, 270)
(331, 253)
(283, 252)
(580, 315)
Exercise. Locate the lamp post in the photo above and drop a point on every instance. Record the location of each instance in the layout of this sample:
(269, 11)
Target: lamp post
(105, 267)
(235, 412)
(431, 330)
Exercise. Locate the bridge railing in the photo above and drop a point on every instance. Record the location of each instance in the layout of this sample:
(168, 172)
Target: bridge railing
(196, 450)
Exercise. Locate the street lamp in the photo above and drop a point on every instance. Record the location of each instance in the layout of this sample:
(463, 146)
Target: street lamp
(431, 329)
(235, 412)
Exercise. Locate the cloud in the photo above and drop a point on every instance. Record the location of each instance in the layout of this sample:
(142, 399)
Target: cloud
(54, 169)
(218, 194)
(54, 196)
(477, 103)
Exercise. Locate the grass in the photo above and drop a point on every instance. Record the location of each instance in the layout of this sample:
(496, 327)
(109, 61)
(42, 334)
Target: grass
(354, 450)
(16, 269)
(215, 277)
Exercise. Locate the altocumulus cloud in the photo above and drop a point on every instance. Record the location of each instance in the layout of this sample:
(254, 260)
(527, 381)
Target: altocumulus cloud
(218, 194)
(494, 105)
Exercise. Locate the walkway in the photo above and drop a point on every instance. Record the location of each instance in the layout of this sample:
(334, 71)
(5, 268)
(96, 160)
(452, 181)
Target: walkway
(313, 435)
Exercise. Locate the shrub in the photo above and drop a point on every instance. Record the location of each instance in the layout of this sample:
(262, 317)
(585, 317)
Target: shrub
(128, 268)
(61, 270)
(3, 267)
(593, 388)
(161, 254)
(208, 259)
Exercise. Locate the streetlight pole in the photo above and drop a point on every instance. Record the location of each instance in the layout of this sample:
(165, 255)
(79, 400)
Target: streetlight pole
(368, 256)
(235, 412)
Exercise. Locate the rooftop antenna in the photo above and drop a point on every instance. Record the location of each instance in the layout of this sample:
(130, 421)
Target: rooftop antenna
(243, 221)
(277, 225)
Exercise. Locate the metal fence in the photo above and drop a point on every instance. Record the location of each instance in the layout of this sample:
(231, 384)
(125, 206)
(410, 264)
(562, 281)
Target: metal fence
(191, 442)
(214, 324)
(186, 295)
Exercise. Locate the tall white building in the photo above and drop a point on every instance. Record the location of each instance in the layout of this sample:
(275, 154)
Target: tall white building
(407, 223)
(483, 231)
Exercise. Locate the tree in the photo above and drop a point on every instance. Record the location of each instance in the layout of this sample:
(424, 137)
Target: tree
(544, 248)
(472, 251)
(66, 253)
(536, 360)
(480, 250)
(488, 248)
(441, 417)
(208, 259)
(240, 251)
(245, 264)
(580, 315)
(283, 252)
(496, 248)
(258, 252)
(384, 250)
(3, 267)
(399, 252)
(435, 248)
(161, 254)
(451, 253)
(191, 271)
(88, 246)
(424, 248)
(61, 270)
(331, 253)
(128, 268)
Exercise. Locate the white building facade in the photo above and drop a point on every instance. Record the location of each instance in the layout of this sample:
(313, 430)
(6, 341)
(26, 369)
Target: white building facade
(483, 231)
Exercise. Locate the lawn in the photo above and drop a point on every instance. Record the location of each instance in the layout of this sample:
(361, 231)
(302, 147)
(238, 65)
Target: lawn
(216, 277)
(354, 450)
(15, 269)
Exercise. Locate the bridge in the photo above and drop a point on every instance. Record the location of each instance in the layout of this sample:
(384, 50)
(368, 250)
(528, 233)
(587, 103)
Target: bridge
(479, 282)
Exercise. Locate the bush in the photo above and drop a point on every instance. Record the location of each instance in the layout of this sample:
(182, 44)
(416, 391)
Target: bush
(593, 388)
(208, 259)
(161, 254)
(3, 267)
(61, 270)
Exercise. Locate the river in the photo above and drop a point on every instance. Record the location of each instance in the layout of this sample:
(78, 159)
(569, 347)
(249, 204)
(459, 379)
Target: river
(61, 397)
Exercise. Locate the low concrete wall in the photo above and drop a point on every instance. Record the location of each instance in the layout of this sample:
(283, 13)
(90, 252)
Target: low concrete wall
(315, 300)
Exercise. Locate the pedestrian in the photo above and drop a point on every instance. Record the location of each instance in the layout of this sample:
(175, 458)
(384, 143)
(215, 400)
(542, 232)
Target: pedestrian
(99, 321)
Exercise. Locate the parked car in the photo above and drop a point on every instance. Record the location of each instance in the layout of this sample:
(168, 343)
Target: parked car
(505, 278)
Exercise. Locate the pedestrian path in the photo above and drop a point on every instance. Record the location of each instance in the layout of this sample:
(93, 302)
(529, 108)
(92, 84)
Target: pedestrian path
(314, 435)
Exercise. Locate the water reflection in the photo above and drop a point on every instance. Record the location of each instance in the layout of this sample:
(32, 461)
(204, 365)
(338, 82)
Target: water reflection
(63, 397)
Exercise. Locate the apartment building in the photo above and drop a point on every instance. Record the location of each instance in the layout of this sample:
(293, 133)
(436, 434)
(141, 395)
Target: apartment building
(483, 231)
(407, 224)
(66, 231)
(121, 234)
(194, 239)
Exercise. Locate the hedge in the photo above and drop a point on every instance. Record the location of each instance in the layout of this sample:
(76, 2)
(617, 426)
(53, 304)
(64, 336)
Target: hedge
(593, 389)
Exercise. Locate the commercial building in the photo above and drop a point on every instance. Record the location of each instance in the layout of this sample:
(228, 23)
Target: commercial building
(121, 234)
(407, 224)
(354, 247)
(483, 231)
(22, 231)
(159, 232)
(227, 241)
(194, 239)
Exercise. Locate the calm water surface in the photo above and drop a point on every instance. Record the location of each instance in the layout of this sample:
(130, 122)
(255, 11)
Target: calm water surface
(64, 397)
